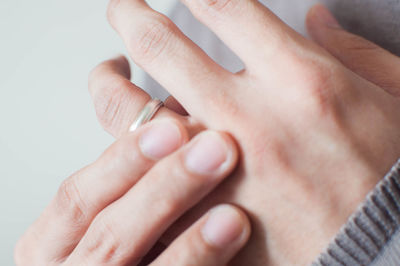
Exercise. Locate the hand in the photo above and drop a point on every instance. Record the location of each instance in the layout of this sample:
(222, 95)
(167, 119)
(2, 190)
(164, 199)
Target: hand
(315, 136)
(361, 56)
(114, 211)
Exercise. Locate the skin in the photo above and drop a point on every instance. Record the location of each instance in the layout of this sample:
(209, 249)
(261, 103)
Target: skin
(321, 129)
(119, 220)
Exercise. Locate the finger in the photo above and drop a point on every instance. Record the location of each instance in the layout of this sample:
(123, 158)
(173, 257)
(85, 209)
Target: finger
(360, 55)
(250, 29)
(172, 104)
(117, 100)
(82, 196)
(125, 231)
(213, 240)
(162, 50)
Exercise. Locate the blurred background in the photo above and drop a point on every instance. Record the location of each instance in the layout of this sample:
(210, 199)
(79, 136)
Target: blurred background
(48, 126)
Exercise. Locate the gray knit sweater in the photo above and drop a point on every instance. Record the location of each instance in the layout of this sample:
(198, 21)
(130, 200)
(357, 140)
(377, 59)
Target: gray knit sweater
(372, 235)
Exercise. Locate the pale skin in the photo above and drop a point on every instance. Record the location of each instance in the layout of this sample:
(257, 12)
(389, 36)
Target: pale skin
(316, 128)
(144, 182)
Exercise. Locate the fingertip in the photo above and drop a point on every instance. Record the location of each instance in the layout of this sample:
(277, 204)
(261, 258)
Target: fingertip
(162, 137)
(226, 226)
(211, 153)
(322, 26)
(117, 65)
(310, 17)
(319, 15)
(213, 240)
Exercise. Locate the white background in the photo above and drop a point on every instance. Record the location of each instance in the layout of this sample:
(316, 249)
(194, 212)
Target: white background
(48, 128)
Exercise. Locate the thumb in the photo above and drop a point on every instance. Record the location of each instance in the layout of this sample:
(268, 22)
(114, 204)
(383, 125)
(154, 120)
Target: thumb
(358, 54)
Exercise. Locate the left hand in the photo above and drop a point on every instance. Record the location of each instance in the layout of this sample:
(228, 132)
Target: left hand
(315, 136)
(113, 211)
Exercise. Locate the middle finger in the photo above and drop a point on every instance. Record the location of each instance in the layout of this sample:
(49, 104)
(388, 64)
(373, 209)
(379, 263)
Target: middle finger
(162, 50)
(250, 29)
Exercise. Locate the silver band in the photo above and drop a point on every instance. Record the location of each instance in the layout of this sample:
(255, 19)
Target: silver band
(147, 113)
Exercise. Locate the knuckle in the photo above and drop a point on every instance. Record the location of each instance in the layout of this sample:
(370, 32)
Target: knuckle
(225, 103)
(107, 247)
(109, 102)
(121, 152)
(69, 201)
(152, 38)
(221, 6)
(318, 90)
(229, 104)
(168, 206)
(123, 158)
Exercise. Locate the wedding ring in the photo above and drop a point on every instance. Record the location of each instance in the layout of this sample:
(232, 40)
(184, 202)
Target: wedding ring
(147, 113)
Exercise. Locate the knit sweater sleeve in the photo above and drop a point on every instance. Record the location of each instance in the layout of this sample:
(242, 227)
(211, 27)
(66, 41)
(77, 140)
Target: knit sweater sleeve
(372, 234)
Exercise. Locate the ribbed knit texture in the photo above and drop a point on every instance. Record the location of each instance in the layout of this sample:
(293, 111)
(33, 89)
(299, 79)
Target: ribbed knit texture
(390, 255)
(370, 230)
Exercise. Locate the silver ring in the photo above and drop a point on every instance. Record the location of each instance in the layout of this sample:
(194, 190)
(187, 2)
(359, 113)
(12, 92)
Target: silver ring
(147, 113)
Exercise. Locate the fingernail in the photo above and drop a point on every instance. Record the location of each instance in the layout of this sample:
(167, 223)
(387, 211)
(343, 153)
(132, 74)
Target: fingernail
(160, 139)
(208, 154)
(224, 225)
(325, 17)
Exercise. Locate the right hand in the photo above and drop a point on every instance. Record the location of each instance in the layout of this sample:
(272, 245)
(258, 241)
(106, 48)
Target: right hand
(114, 211)
(315, 137)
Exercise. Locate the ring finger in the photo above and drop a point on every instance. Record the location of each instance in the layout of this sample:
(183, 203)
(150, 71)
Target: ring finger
(118, 101)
